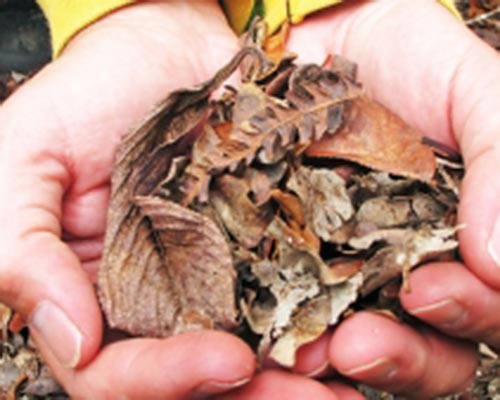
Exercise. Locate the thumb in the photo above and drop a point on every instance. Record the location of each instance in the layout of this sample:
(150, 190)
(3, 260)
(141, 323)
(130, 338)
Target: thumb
(40, 277)
(476, 122)
(191, 365)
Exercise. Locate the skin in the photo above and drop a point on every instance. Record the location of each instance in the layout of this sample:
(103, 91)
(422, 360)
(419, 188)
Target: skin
(427, 67)
(58, 135)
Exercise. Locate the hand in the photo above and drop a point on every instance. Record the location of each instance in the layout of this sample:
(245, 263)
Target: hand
(57, 143)
(422, 63)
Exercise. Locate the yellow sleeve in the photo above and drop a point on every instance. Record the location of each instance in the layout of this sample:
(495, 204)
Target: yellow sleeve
(450, 5)
(276, 12)
(67, 17)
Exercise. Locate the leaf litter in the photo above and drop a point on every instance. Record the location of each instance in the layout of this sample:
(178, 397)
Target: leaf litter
(273, 209)
(23, 375)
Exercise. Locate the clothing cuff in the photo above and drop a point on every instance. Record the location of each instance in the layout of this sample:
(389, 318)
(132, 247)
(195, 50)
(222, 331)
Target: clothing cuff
(276, 12)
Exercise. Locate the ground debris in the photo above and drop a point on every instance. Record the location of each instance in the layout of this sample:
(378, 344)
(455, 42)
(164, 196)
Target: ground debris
(23, 374)
(9, 84)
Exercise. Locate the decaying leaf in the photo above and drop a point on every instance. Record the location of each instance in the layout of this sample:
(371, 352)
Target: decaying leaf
(376, 138)
(272, 209)
(312, 319)
(324, 196)
(406, 248)
(243, 219)
(22, 372)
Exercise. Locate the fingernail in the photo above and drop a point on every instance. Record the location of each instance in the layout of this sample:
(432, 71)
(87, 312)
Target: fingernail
(213, 387)
(58, 332)
(319, 371)
(447, 313)
(379, 370)
(494, 243)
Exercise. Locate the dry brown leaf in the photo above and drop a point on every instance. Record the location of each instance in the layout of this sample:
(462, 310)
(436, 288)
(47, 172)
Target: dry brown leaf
(376, 138)
(141, 288)
(344, 269)
(171, 271)
(384, 212)
(291, 206)
(307, 325)
(407, 248)
(243, 219)
(313, 318)
(262, 182)
(325, 201)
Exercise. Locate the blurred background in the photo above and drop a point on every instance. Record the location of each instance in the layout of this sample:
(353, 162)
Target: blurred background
(24, 37)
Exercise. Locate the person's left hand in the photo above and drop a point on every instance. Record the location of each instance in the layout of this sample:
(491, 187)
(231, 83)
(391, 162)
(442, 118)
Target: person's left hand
(423, 64)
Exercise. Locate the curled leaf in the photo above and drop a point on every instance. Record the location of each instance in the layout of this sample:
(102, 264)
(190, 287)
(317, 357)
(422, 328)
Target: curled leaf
(376, 138)
(325, 200)
(244, 220)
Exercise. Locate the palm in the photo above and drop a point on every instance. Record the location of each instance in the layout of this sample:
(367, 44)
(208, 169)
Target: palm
(110, 82)
(117, 93)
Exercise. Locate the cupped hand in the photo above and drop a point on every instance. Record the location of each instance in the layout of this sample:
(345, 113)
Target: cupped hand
(422, 63)
(58, 136)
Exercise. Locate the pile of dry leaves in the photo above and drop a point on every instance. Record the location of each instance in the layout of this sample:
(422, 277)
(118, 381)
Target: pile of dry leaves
(271, 209)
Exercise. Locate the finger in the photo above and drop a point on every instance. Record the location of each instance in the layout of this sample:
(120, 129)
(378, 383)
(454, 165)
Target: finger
(455, 301)
(477, 128)
(479, 212)
(312, 358)
(39, 275)
(180, 367)
(43, 281)
(88, 251)
(278, 385)
(391, 356)
(345, 392)
(84, 214)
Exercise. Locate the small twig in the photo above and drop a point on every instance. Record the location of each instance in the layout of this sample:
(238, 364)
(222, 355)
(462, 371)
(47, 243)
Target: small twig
(482, 17)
